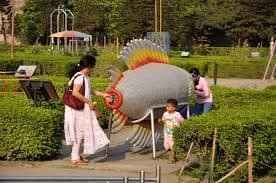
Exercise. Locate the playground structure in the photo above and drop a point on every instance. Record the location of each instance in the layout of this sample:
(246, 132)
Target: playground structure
(140, 93)
(70, 39)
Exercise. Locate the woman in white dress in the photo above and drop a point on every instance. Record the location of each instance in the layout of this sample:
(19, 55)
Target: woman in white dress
(82, 125)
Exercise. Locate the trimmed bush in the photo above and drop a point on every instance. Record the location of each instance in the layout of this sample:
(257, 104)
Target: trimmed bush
(238, 114)
(235, 70)
(10, 64)
(27, 132)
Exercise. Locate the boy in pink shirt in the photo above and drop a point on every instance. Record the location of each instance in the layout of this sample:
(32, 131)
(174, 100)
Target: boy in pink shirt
(170, 118)
(204, 98)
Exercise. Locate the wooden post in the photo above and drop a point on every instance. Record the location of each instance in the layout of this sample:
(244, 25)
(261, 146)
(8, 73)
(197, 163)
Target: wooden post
(12, 45)
(215, 73)
(117, 46)
(273, 71)
(213, 155)
(230, 173)
(155, 16)
(250, 161)
(187, 157)
(269, 61)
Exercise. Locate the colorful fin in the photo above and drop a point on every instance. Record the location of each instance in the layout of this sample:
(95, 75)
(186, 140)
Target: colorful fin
(114, 76)
(119, 120)
(141, 52)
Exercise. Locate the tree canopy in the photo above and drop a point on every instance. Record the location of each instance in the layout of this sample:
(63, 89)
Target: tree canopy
(187, 21)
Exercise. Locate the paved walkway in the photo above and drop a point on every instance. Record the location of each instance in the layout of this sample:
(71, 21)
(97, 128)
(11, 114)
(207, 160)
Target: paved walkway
(121, 162)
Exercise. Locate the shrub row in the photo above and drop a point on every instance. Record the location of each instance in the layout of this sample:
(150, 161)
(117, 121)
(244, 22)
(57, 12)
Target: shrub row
(238, 115)
(27, 132)
(231, 70)
(59, 68)
(223, 51)
(9, 64)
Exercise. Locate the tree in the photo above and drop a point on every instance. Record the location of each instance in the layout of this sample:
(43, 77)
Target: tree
(183, 20)
(236, 20)
(34, 23)
(5, 14)
(91, 16)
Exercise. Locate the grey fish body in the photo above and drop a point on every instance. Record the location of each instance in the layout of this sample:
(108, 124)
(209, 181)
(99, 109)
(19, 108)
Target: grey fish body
(151, 85)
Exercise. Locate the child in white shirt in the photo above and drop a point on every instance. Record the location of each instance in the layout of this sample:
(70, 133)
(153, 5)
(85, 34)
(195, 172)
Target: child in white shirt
(170, 118)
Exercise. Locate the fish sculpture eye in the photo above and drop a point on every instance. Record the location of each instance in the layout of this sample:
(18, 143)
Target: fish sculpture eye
(117, 99)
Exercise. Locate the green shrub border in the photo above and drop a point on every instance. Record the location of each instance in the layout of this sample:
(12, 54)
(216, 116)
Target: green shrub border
(29, 133)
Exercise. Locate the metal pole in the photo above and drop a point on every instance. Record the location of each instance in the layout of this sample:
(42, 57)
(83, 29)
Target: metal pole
(51, 20)
(65, 38)
(51, 28)
(158, 174)
(126, 180)
(142, 176)
(155, 20)
(160, 31)
(108, 132)
(152, 132)
(58, 26)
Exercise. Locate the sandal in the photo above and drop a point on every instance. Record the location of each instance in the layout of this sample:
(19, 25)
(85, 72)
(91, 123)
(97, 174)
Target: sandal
(78, 162)
(84, 160)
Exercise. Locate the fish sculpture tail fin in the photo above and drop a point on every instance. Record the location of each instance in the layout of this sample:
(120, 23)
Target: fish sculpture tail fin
(115, 76)
(142, 51)
(141, 135)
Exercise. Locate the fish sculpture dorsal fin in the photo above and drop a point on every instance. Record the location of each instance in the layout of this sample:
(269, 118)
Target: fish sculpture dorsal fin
(142, 51)
(114, 76)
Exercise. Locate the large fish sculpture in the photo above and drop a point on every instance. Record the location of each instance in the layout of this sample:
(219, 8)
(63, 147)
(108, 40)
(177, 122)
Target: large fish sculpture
(149, 81)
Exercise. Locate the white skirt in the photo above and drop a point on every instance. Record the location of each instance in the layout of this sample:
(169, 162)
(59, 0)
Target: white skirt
(83, 125)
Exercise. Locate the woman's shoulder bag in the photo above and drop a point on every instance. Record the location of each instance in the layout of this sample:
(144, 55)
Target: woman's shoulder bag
(69, 99)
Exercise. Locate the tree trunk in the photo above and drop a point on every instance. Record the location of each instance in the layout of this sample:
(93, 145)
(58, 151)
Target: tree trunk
(3, 29)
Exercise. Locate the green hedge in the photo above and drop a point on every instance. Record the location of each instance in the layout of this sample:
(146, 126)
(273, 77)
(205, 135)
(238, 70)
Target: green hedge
(10, 64)
(57, 67)
(237, 115)
(27, 132)
(236, 70)
(227, 70)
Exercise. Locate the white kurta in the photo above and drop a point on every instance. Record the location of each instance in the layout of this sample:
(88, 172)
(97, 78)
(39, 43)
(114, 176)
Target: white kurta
(83, 124)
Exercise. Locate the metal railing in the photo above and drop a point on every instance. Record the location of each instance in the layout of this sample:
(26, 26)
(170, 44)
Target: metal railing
(142, 178)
